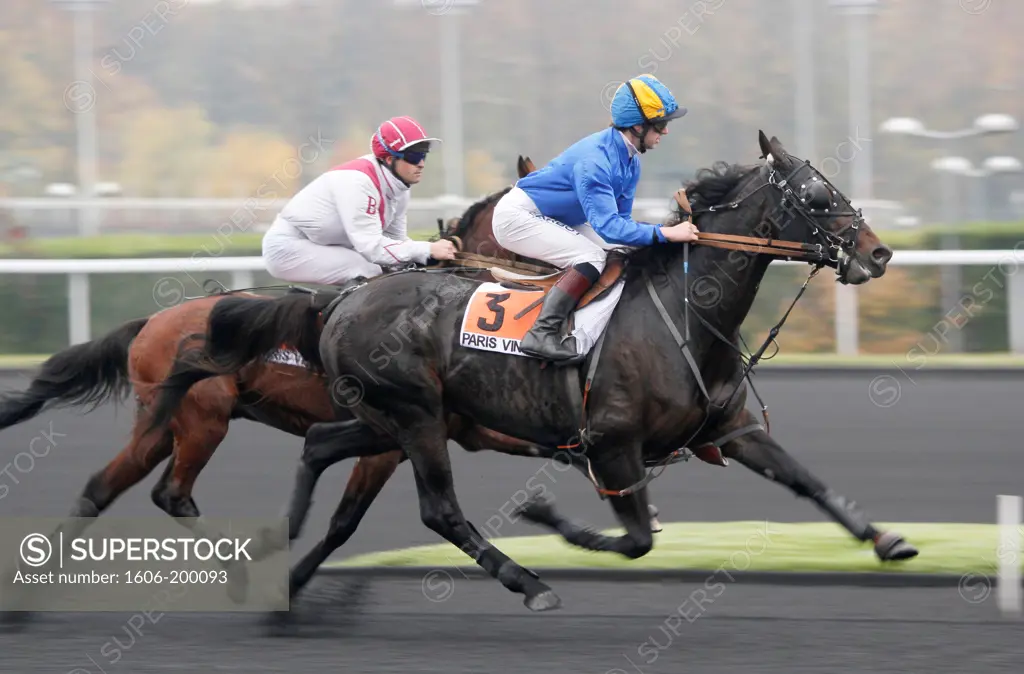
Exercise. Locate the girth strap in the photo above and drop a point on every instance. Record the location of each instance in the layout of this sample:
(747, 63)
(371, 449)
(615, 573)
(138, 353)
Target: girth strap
(584, 430)
(681, 454)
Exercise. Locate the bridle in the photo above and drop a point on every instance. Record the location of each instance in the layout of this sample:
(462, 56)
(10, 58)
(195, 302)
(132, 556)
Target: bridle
(833, 249)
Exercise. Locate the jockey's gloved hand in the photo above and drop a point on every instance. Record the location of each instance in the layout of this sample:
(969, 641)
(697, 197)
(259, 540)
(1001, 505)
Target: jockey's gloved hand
(443, 249)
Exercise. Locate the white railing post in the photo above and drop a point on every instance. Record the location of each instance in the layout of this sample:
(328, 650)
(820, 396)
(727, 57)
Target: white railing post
(78, 308)
(1008, 517)
(847, 324)
(1015, 312)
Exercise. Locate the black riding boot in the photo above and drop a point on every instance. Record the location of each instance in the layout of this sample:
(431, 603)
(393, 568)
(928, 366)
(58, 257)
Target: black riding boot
(545, 339)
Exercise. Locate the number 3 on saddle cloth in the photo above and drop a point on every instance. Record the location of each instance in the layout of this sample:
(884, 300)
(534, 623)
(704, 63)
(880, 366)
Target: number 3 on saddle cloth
(500, 314)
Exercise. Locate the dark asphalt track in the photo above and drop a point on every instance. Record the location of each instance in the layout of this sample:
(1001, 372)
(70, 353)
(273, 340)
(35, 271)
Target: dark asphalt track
(942, 451)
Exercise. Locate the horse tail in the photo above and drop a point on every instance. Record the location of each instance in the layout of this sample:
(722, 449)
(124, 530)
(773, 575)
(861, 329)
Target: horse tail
(84, 374)
(240, 330)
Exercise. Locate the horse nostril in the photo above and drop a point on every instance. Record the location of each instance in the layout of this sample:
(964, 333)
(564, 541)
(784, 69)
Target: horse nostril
(882, 254)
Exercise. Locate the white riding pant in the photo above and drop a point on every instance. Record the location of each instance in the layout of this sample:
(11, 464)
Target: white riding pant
(298, 260)
(518, 226)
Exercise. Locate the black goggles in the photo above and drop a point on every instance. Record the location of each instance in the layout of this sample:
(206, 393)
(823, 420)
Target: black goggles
(414, 158)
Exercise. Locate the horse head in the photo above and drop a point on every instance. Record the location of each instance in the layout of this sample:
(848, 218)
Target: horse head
(819, 212)
(781, 204)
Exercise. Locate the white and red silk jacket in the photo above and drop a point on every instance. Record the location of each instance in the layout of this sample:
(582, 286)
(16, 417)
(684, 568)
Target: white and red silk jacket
(358, 205)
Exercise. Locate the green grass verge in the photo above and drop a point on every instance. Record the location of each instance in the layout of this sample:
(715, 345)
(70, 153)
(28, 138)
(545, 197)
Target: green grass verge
(890, 360)
(754, 546)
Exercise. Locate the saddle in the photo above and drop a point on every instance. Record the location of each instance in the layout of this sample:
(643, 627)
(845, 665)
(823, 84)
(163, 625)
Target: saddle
(613, 269)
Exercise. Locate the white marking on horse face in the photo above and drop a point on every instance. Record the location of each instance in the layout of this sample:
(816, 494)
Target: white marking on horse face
(769, 158)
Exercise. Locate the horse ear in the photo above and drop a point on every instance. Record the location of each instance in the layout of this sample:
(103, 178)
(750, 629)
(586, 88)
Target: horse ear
(777, 148)
(525, 166)
(766, 146)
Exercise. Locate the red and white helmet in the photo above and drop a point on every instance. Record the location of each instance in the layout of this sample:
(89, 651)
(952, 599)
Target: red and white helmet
(397, 134)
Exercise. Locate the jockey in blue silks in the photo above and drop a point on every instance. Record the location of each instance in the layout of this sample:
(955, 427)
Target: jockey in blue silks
(578, 206)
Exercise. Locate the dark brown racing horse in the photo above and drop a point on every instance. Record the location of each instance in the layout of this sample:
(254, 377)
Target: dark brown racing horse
(666, 374)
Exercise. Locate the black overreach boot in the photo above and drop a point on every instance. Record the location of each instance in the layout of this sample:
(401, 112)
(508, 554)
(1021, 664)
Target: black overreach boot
(545, 340)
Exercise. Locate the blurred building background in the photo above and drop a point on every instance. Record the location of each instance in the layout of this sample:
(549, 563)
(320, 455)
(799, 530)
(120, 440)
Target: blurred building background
(175, 114)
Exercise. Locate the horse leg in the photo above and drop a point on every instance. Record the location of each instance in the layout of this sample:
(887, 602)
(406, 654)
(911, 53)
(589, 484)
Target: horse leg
(197, 436)
(616, 472)
(761, 454)
(326, 444)
(425, 442)
(474, 438)
(330, 442)
(368, 477)
(134, 463)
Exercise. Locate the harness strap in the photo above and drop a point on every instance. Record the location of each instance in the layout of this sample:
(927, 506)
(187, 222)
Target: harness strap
(681, 454)
(680, 342)
(735, 434)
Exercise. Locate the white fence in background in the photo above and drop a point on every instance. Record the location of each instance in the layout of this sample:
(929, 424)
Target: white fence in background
(1004, 265)
(49, 216)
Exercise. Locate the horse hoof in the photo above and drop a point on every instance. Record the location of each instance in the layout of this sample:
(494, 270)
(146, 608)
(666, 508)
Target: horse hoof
(543, 601)
(538, 510)
(891, 547)
(655, 524)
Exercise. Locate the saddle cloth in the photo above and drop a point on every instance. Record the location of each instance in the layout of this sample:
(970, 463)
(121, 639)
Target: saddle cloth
(498, 317)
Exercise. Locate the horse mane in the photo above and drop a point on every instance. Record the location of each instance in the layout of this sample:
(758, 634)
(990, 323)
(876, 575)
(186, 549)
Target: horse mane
(470, 215)
(711, 186)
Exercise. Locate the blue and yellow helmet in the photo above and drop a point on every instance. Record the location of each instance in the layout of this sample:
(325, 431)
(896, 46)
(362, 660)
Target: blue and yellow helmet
(643, 99)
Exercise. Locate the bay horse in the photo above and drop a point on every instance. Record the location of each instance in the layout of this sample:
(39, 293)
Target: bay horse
(138, 355)
(663, 376)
